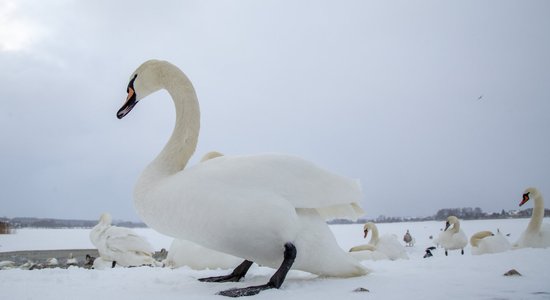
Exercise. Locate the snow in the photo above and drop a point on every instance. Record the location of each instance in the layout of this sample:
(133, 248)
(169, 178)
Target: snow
(453, 277)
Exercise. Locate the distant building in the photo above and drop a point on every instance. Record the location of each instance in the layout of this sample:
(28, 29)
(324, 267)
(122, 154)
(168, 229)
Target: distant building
(5, 227)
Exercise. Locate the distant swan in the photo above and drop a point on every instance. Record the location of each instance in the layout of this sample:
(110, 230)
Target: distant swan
(485, 242)
(264, 208)
(452, 238)
(71, 260)
(120, 245)
(537, 234)
(378, 248)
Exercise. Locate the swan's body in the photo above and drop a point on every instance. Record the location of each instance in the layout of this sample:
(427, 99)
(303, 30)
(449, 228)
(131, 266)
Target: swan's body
(195, 256)
(452, 238)
(537, 234)
(71, 260)
(186, 253)
(264, 208)
(120, 245)
(485, 242)
(101, 264)
(379, 247)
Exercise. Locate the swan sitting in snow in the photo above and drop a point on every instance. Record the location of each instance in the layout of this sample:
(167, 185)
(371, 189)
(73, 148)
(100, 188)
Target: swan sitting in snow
(537, 234)
(452, 238)
(487, 242)
(263, 208)
(71, 260)
(120, 245)
(384, 247)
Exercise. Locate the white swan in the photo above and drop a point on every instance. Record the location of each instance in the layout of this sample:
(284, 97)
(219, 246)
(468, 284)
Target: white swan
(120, 245)
(277, 203)
(186, 253)
(379, 247)
(71, 260)
(452, 238)
(484, 242)
(537, 234)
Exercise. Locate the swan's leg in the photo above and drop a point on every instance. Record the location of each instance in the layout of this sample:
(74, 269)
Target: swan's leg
(462, 251)
(446, 252)
(236, 275)
(274, 282)
(113, 264)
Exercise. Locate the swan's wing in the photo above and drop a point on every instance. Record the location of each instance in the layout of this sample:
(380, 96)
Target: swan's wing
(301, 183)
(124, 240)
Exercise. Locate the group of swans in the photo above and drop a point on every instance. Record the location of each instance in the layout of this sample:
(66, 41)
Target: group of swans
(454, 238)
(536, 235)
(379, 247)
(119, 245)
(269, 209)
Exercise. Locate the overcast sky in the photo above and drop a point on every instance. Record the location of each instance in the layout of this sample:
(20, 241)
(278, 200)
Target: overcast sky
(387, 92)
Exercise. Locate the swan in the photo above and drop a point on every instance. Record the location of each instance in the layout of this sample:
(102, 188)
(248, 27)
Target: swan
(120, 245)
(71, 260)
(378, 248)
(452, 238)
(101, 263)
(537, 234)
(487, 242)
(278, 203)
(52, 262)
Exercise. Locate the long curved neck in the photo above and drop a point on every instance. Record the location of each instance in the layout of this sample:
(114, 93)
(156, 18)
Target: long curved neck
(537, 216)
(456, 227)
(374, 238)
(183, 141)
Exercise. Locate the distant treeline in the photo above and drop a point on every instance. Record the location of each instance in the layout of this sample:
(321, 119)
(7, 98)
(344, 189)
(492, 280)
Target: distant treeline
(465, 213)
(15, 223)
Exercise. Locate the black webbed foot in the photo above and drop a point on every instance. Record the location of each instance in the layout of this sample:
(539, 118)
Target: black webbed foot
(235, 276)
(224, 278)
(274, 282)
(247, 291)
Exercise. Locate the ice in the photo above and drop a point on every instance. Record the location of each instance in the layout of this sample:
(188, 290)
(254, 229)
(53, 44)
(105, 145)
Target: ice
(453, 277)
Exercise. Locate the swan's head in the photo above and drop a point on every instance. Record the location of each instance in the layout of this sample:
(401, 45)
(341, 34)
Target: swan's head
(368, 226)
(210, 155)
(451, 220)
(105, 219)
(529, 193)
(145, 80)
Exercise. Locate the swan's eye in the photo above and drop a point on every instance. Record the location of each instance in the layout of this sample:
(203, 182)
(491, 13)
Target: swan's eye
(526, 196)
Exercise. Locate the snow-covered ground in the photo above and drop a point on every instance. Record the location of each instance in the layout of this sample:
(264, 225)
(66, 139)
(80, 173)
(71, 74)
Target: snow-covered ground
(438, 277)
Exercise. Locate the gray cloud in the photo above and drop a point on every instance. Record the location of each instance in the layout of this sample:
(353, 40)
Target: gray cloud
(387, 93)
